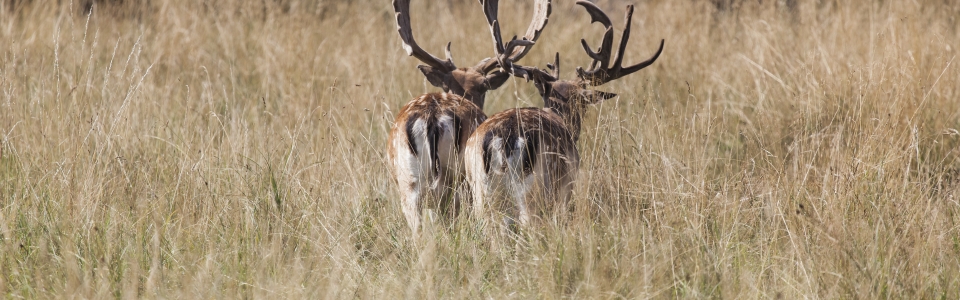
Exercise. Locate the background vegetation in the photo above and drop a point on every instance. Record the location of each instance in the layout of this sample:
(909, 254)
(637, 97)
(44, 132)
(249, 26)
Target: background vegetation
(228, 149)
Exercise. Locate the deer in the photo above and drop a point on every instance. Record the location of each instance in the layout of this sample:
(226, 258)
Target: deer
(429, 133)
(529, 155)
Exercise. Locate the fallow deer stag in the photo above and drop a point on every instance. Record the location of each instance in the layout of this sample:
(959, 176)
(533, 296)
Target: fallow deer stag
(529, 155)
(431, 130)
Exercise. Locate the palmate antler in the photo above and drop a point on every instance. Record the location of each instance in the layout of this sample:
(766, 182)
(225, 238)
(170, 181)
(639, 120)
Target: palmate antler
(516, 49)
(402, 9)
(600, 71)
(541, 78)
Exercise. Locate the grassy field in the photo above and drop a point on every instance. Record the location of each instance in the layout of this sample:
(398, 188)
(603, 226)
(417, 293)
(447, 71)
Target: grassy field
(236, 149)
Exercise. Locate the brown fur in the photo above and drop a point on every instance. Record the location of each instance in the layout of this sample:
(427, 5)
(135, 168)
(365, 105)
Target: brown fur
(438, 124)
(431, 107)
(543, 130)
(530, 154)
(444, 122)
(527, 154)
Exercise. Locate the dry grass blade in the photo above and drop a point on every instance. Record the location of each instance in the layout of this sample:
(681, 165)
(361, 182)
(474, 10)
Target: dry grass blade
(231, 149)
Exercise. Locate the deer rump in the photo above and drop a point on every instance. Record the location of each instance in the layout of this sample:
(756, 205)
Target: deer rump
(525, 155)
(435, 135)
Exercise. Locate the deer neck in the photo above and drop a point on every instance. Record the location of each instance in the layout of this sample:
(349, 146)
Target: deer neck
(564, 100)
(571, 114)
(470, 84)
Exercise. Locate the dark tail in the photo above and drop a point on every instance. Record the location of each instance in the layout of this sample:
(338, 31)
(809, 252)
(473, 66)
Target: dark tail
(531, 147)
(486, 151)
(434, 132)
(433, 137)
(528, 156)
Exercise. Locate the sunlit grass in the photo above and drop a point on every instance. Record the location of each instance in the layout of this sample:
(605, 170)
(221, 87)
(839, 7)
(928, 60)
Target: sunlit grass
(227, 149)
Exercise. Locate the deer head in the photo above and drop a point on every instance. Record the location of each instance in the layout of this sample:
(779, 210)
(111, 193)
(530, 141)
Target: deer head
(569, 98)
(472, 82)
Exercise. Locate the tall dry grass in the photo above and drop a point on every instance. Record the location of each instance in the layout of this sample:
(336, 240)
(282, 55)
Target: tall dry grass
(228, 149)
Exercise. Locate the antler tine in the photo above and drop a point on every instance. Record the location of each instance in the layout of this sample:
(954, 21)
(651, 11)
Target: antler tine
(603, 73)
(531, 73)
(505, 60)
(490, 8)
(515, 49)
(503, 51)
(628, 70)
(596, 14)
(555, 66)
(541, 15)
(618, 61)
(402, 9)
(448, 54)
(601, 58)
(541, 78)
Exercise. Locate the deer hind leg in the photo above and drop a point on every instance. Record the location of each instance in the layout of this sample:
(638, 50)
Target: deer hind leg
(410, 204)
(411, 192)
(418, 194)
(414, 184)
(481, 179)
(483, 187)
(450, 168)
(488, 195)
(521, 194)
(443, 204)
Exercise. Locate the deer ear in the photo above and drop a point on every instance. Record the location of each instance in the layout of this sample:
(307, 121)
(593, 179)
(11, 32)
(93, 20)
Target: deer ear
(496, 79)
(594, 97)
(434, 76)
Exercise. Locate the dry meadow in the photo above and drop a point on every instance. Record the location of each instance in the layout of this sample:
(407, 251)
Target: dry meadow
(235, 149)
